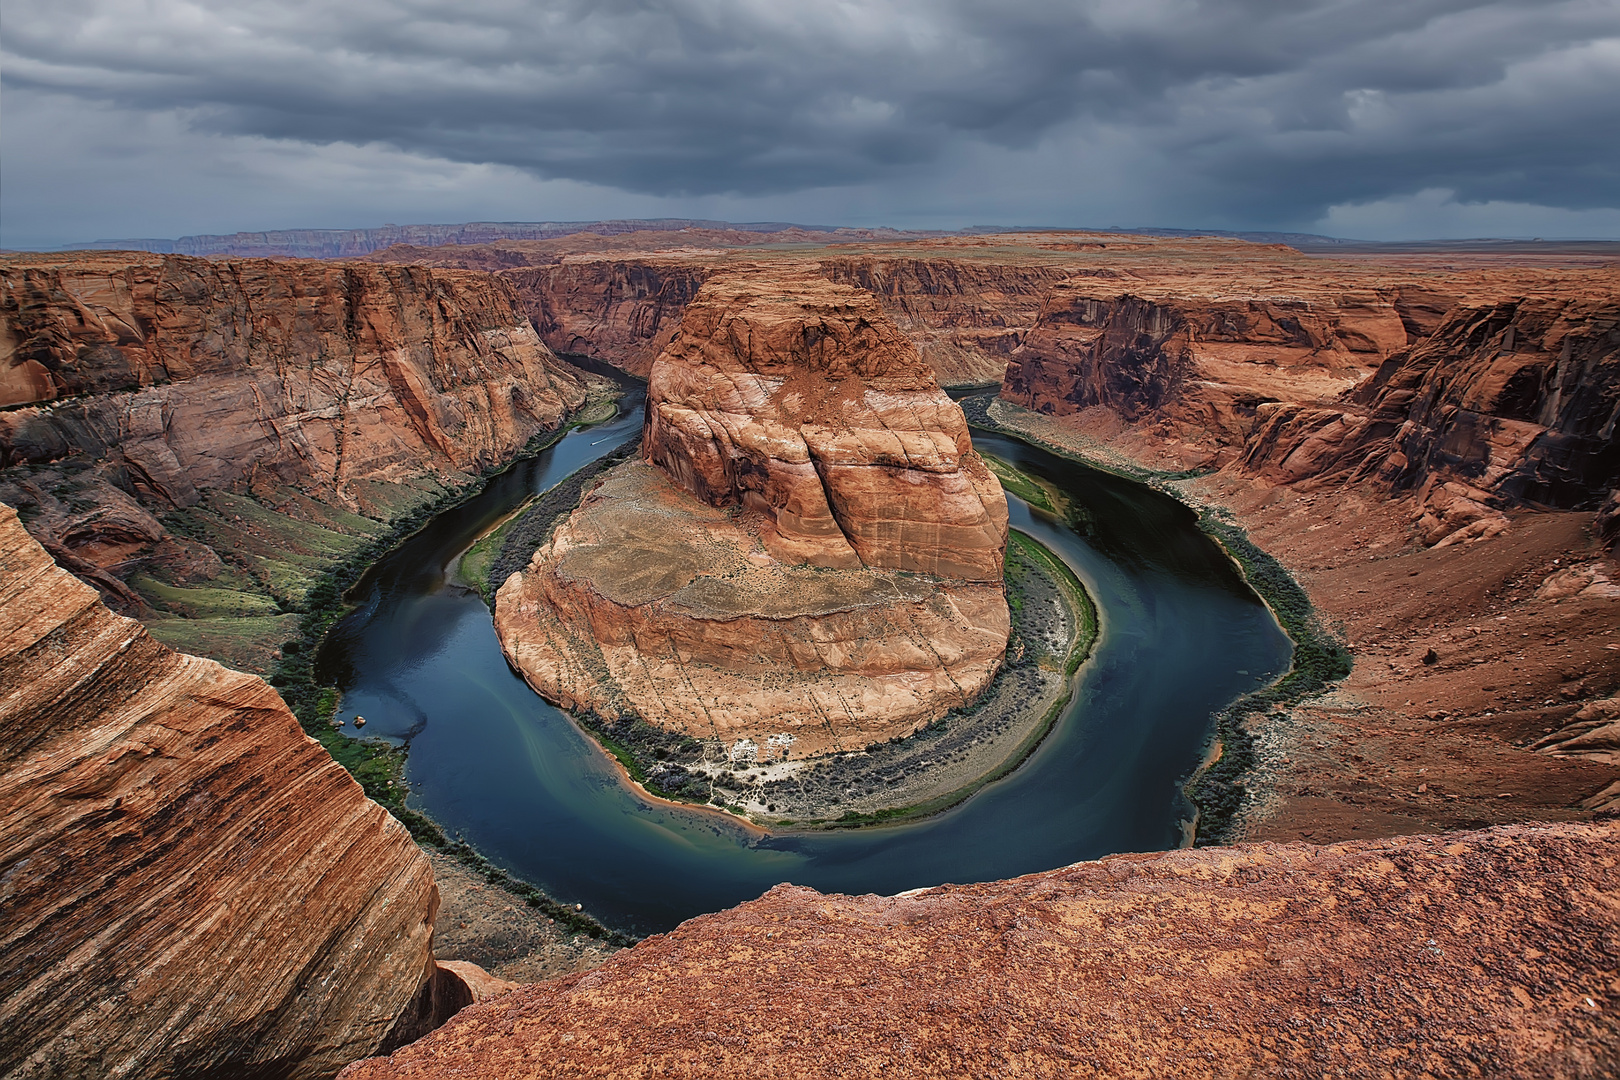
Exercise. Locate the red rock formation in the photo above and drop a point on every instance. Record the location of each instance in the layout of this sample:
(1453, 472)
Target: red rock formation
(1506, 404)
(318, 372)
(620, 311)
(648, 602)
(826, 458)
(158, 382)
(1195, 359)
(191, 886)
(1458, 955)
(965, 317)
(800, 400)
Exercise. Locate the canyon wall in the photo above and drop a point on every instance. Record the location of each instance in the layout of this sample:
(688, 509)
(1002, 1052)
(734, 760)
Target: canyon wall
(810, 558)
(965, 317)
(1505, 404)
(198, 439)
(1458, 955)
(620, 311)
(1198, 361)
(1474, 405)
(190, 886)
(198, 372)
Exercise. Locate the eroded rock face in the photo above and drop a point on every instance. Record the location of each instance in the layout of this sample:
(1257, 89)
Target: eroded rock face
(191, 886)
(621, 311)
(650, 602)
(199, 372)
(800, 400)
(1505, 404)
(1188, 356)
(964, 317)
(809, 560)
(1470, 953)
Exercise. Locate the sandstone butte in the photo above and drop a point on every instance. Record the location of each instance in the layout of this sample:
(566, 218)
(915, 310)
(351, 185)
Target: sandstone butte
(1487, 953)
(191, 885)
(810, 556)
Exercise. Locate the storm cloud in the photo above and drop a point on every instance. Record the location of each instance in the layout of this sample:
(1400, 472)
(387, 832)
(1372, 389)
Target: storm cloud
(1257, 113)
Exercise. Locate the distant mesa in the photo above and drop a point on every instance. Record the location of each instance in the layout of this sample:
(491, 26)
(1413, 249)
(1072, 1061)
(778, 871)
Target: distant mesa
(810, 551)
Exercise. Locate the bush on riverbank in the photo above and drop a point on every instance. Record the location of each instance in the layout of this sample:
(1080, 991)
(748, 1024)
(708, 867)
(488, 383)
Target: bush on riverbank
(1319, 659)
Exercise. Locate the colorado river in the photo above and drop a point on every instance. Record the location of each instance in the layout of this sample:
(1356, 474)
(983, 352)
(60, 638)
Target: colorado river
(1181, 636)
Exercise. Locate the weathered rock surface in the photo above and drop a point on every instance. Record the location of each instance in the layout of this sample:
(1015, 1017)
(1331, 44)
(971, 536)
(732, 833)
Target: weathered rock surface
(1486, 953)
(334, 397)
(966, 317)
(1198, 356)
(188, 884)
(199, 372)
(620, 299)
(622, 311)
(800, 400)
(649, 601)
(815, 564)
(1505, 404)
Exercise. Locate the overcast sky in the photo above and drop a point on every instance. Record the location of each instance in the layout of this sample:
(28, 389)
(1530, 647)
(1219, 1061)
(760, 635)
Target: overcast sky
(1365, 118)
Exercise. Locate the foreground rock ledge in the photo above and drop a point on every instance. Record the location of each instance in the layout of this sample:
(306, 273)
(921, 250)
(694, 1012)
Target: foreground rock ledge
(1491, 953)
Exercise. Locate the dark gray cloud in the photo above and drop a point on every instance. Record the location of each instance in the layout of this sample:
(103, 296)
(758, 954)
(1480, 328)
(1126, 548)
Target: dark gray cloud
(1260, 112)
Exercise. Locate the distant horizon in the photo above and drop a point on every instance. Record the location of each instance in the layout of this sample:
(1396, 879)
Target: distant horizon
(166, 244)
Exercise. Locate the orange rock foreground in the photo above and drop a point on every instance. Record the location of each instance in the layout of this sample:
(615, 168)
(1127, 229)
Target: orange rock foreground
(189, 885)
(1493, 953)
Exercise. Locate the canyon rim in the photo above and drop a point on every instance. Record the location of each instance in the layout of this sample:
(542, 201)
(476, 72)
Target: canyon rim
(1412, 457)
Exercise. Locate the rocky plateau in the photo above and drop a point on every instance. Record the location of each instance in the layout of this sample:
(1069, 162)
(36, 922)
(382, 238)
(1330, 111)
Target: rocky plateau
(1475, 954)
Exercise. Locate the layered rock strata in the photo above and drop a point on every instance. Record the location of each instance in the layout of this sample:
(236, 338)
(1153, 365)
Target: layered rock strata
(810, 559)
(1476, 405)
(1465, 954)
(1197, 362)
(191, 886)
(198, 439)
(197, 372)
(965, 317)
(1505, 404)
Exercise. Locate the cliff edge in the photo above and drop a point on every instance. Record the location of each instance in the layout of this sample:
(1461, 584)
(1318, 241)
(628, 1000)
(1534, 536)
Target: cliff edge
(1472, 954)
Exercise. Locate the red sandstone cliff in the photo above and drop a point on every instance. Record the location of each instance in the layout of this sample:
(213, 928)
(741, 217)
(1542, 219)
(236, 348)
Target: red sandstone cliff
(801, 400)
(1199, 360)
(965, 317)
(1505, 404)
(196, 371)
(620, 311)
(620, 298)
(189, 885)
(1471, 954)
(336, 395)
